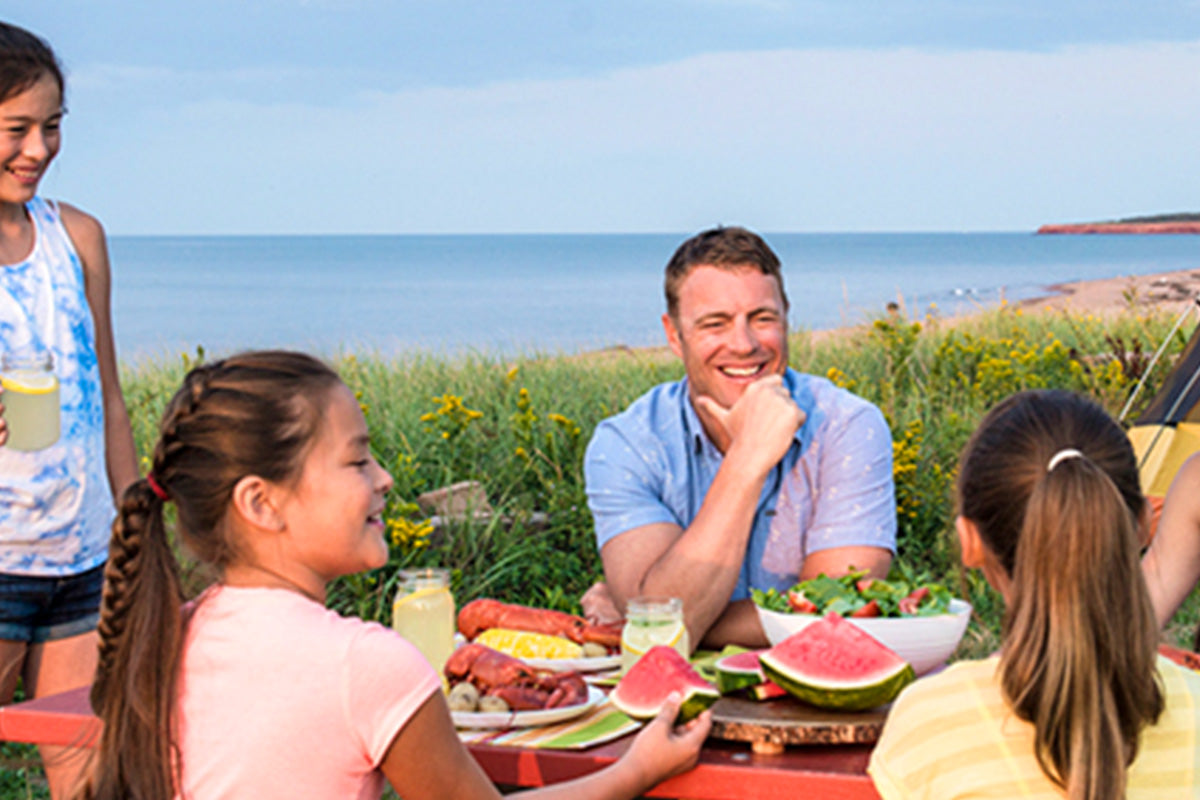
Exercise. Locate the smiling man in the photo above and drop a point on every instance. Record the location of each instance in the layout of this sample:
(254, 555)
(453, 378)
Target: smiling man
(745, 474)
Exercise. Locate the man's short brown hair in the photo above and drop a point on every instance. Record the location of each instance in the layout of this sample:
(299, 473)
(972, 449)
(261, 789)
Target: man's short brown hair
(725, 248)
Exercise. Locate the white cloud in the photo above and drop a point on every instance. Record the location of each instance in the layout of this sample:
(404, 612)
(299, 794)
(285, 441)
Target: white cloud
(783, 140)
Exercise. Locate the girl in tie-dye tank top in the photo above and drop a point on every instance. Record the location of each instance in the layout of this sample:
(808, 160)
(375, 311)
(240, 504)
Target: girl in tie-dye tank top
(56, 502)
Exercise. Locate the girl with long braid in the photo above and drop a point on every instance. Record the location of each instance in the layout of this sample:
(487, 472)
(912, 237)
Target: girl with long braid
(255, 689)
(1078, 703)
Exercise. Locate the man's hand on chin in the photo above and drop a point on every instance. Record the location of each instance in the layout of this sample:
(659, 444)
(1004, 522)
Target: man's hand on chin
(764, 419)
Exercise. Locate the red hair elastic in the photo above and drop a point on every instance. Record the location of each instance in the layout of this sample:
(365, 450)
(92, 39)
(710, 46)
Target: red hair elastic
(159, 492)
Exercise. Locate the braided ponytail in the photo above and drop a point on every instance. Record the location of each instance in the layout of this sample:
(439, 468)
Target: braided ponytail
(140, 634)
(250, 414)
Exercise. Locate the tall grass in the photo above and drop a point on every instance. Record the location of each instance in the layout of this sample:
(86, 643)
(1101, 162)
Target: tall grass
(520, 426)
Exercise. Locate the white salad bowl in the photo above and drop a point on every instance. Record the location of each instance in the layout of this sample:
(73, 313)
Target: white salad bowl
(924, 642)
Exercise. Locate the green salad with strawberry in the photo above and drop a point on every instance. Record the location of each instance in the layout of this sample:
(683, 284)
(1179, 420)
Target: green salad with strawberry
(855, 595)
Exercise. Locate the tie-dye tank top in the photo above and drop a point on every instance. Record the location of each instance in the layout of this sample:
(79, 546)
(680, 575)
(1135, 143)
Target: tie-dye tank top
(56, 506)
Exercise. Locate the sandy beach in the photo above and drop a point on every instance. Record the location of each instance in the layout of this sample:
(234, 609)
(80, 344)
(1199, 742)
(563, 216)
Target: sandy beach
(1113, 295)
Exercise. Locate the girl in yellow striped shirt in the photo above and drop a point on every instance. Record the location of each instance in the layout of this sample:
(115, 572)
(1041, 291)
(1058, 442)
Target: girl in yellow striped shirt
(1078, 703)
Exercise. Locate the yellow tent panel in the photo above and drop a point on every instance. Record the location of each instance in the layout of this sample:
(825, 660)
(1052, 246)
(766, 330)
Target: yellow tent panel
(1161, 451)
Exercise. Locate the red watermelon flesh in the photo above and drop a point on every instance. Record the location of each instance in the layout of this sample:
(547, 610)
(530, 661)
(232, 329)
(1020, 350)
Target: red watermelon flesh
(767, 690)
(651, 680)
(832, 663)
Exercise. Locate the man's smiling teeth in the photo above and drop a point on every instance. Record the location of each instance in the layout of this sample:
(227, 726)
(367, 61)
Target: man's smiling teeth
(740, 372)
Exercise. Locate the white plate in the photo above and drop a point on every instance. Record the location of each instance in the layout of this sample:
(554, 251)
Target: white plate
(525, 719)
(595, 664)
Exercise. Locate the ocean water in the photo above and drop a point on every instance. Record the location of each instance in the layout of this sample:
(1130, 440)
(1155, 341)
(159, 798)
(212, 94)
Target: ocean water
(510, 294)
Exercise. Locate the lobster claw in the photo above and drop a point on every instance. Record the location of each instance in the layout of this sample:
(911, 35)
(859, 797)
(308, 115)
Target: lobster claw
(518, 684)
(606, 633)
(569, 690)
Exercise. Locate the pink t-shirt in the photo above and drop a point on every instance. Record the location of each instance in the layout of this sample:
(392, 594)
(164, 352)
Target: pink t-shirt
(282, 698)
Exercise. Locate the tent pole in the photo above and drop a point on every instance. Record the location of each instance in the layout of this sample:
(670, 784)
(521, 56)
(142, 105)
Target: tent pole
(1157, 354)
(1170, 412)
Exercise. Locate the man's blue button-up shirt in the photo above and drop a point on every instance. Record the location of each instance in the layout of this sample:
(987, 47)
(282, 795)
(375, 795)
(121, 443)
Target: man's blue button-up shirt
(654, 463)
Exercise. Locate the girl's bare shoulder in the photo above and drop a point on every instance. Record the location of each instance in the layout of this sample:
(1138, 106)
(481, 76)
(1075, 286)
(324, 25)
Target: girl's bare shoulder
(87, 234)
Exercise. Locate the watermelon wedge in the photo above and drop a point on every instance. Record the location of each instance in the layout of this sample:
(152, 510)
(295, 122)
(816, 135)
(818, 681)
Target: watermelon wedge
(767, 690)
(644, 689)
(835, 664)
(739, 671)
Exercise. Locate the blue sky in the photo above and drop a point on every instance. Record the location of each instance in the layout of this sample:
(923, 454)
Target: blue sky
(367, 116)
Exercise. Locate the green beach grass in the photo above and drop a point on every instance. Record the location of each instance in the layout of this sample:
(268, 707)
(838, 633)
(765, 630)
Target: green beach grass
(520, 426)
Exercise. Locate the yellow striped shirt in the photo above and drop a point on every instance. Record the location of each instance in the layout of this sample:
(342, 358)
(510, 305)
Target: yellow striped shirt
(952, 735)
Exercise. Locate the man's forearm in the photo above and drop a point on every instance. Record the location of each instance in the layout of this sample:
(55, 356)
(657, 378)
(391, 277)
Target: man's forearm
(703, 564)
(739, 625)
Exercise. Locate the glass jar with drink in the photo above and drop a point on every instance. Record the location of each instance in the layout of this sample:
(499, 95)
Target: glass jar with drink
(30, 399)
(423, 613)
(650, 621)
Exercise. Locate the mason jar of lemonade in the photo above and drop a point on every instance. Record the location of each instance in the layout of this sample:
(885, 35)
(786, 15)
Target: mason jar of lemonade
(423, 613)
(650, 621)
(30, 400)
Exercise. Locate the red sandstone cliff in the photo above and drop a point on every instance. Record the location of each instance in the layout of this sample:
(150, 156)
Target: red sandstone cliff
(1124, 227)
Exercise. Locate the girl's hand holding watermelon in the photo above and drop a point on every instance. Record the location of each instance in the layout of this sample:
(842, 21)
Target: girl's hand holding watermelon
(663, 749)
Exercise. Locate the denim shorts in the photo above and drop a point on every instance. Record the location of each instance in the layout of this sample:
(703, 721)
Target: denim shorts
(40, 609)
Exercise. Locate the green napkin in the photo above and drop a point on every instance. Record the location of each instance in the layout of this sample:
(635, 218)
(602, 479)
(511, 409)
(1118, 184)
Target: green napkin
(601, 724)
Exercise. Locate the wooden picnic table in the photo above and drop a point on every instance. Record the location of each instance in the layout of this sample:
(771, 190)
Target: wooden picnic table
(726, 770)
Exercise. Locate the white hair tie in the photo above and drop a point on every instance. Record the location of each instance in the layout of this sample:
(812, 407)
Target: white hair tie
(1063, 455)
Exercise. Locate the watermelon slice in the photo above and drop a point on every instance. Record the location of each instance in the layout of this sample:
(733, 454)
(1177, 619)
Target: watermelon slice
(767, 690)
(832, 663)
(644, 689)
(740, 671)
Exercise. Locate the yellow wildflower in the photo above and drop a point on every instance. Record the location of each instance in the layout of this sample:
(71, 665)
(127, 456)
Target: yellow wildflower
(405, 533)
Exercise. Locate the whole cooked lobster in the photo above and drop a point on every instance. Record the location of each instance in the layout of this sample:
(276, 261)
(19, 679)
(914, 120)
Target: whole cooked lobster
(479, 615)
(521, 686)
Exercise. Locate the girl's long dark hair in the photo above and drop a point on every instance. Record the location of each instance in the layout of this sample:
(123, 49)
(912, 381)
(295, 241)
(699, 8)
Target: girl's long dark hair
(251, 414)
(1080, 638)
(24, 59)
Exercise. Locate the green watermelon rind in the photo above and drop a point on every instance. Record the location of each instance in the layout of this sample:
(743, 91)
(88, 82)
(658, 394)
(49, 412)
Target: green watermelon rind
(732, 678)
(842, 697)
(695, 702)
(697, 694)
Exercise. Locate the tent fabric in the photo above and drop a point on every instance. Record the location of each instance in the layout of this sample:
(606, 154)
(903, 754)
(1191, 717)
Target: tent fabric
(1179, 398)
(1169, 430)
(1161, 451)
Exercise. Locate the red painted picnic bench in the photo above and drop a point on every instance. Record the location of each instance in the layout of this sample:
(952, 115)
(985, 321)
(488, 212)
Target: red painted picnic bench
(726, 771)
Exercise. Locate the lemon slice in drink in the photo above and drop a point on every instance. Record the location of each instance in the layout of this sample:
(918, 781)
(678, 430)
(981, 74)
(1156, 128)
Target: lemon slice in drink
(28, 382)
(417, 595)
(637, 639)
(525, 644)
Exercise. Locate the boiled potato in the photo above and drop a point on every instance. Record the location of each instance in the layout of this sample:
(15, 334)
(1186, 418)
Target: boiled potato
(491, 703)
(463, 697)
(593, 650)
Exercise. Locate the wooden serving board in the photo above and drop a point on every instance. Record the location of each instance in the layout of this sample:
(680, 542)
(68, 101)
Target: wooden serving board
(768, 725)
